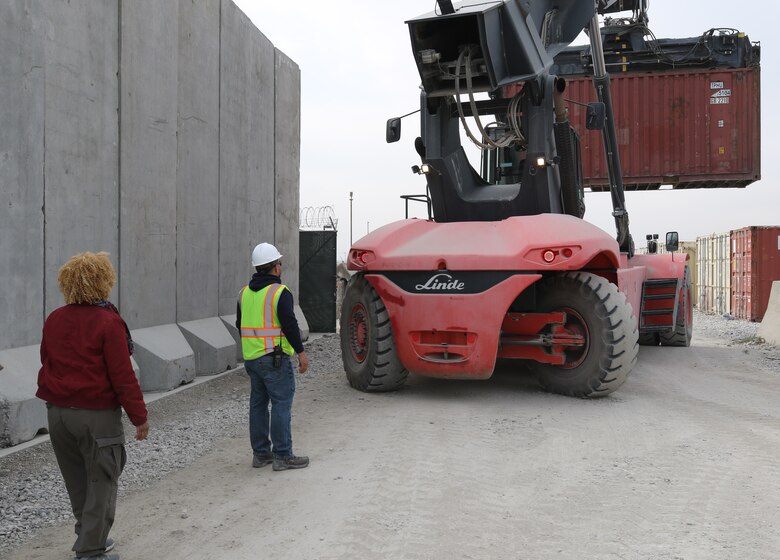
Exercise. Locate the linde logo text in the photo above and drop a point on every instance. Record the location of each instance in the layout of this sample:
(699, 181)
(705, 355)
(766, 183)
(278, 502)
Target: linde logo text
(441, 281)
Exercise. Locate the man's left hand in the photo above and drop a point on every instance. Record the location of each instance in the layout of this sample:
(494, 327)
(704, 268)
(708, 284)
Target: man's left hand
(303, 362)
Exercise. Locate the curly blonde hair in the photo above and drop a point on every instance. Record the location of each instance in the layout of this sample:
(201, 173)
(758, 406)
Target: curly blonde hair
(86, 278)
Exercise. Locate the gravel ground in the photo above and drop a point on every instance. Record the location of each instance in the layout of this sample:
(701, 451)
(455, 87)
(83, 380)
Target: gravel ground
(186, 425)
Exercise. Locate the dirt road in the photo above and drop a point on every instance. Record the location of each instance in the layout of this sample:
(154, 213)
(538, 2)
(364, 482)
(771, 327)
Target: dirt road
(683, 462)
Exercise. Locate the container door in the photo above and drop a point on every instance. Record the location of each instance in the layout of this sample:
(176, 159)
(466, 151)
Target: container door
(724, 134)
(742, 273)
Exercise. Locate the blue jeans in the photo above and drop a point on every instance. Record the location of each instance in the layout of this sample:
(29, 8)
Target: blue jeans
(277, 387)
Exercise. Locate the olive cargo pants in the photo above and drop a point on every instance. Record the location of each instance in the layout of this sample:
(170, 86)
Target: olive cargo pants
(89, 446)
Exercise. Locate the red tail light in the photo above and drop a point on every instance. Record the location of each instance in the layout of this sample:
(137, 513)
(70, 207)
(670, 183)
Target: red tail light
(360, 258)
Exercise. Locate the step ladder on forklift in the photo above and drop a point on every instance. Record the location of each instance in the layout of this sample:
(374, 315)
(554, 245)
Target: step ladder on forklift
(659, 304)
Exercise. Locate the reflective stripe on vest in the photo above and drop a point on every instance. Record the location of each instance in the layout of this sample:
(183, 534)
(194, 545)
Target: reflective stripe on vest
(261, 329)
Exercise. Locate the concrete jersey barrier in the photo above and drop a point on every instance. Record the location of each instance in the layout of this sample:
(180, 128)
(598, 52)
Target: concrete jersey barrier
(770, 325)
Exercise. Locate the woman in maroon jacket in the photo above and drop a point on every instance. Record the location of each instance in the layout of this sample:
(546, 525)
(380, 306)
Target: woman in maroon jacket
(86, 376)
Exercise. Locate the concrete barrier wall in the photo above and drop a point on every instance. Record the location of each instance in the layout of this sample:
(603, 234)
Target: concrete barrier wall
(165, 132)
(148, 130)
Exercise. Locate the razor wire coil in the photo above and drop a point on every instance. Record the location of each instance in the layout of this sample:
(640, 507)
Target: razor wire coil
(319, 217)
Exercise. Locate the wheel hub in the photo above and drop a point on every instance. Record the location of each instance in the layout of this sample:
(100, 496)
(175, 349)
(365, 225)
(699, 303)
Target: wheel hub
(576, 328)
(358, 333)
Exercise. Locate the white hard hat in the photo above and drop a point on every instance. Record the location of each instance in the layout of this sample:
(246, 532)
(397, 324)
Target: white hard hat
(265, 253)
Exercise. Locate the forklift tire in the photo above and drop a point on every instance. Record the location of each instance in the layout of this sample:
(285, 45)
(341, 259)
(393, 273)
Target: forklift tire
(597, 310)
(649, 339)
(367, 345)
(683, 330)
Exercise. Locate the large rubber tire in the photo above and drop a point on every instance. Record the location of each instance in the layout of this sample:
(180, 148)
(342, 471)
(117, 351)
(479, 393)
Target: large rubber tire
(683, 330)
(367, 345)
(597, 310)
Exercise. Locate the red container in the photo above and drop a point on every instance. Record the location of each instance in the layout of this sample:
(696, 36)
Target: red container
(755, 264)
(689, 129)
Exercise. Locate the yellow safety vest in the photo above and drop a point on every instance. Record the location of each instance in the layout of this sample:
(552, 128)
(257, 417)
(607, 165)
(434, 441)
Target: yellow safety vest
(261, 329)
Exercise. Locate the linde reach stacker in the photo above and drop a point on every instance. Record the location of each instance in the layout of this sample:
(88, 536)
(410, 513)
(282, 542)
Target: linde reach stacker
(505, 267)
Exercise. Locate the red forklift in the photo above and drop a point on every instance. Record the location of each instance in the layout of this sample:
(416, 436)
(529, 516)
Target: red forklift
(505, 267)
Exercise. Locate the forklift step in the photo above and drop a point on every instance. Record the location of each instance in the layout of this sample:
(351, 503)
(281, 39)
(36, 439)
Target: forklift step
(665, 311)
(649, 297)
(661, 283)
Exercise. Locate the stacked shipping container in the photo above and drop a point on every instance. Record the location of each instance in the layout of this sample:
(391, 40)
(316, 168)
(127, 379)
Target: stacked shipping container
(735, 271)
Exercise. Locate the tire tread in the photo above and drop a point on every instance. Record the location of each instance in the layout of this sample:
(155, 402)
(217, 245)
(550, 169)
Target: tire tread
(620, 338)
(382, 371)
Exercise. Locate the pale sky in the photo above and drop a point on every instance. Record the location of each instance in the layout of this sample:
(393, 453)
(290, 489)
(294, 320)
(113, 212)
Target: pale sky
(357, 70)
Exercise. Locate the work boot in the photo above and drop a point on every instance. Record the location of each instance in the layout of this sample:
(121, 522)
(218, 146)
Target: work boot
(262, 460)
(291, 462)
(110, 544)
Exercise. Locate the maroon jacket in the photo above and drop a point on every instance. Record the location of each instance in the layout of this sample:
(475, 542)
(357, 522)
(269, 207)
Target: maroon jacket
(86, 362)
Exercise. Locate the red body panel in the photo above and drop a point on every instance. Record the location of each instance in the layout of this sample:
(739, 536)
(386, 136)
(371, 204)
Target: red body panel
(516, 243)
(469, 325)
(477, 317)
(637, 269)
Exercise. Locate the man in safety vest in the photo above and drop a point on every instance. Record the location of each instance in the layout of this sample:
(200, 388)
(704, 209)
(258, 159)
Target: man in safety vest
(265, 317)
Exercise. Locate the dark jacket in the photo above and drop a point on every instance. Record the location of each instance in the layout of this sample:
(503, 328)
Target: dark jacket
(85, 362)
(284, 309)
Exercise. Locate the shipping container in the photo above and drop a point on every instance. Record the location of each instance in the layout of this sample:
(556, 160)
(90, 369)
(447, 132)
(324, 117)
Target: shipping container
(755, 264)
(686, 128)
(714, 273)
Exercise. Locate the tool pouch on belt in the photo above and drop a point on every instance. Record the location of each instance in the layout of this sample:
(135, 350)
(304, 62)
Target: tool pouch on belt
(277, 353)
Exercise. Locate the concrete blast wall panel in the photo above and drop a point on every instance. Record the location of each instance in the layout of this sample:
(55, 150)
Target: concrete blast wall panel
(287, 133)
(21, 172)
(148, 151)
(246, 137)
(197, 176)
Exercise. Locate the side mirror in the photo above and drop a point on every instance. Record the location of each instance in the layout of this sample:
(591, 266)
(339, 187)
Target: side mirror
(393, 130)
(672, 241)
(595, 116)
